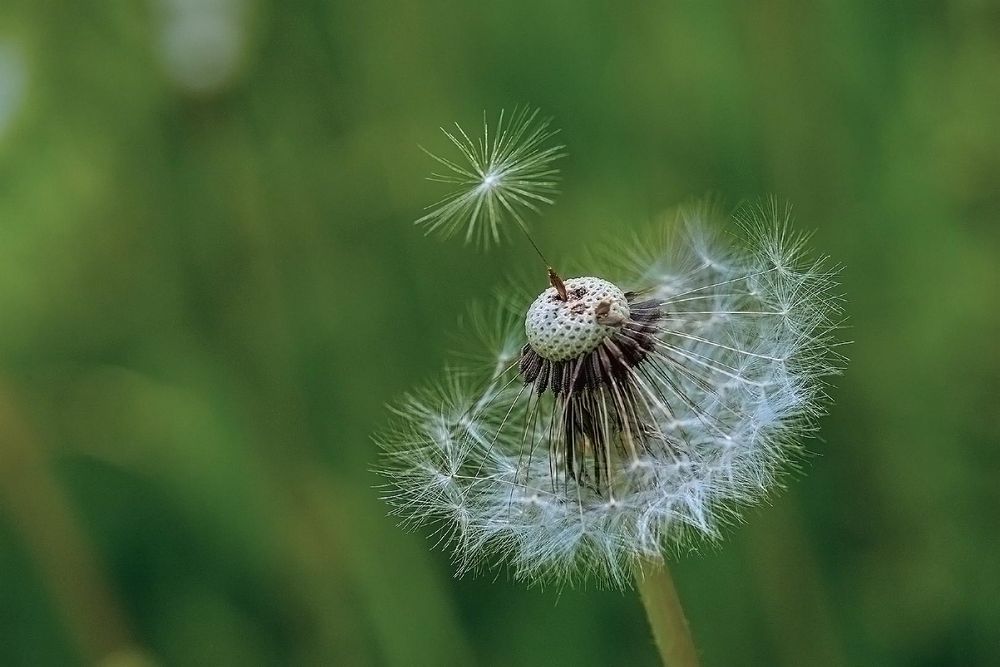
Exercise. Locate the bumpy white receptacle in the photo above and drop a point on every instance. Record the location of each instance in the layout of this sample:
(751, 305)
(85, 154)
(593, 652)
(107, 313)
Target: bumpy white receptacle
(560, 330)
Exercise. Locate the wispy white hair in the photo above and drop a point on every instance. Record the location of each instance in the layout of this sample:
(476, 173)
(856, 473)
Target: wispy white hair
(732, 386)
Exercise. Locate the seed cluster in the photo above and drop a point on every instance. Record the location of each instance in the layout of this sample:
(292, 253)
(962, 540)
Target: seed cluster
(561, 330)
(617, 424)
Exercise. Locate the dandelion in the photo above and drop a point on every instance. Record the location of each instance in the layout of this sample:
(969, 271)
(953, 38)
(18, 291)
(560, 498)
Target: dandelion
(628, 412)
(498, 177)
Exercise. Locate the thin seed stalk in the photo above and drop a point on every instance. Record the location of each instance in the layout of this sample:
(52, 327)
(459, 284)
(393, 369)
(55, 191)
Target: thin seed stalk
(666, 616)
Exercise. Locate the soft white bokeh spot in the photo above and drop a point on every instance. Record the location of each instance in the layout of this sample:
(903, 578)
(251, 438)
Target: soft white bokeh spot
(202, 42)
(13, 83)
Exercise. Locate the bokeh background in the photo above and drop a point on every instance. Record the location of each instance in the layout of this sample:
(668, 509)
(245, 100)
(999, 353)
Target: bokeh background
(210, 286)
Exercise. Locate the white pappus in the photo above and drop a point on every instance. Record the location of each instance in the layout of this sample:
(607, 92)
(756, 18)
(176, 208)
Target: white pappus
(627, 411)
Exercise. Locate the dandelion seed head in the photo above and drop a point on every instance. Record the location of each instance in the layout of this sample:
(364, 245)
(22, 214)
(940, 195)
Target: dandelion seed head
(611, 441)
(618, 420)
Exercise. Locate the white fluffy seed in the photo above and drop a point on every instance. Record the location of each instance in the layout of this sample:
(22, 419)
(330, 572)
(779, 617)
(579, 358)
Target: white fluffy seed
(560, 330)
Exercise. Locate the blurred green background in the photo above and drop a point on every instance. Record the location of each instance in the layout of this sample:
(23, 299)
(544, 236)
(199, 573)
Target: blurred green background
(210, 286)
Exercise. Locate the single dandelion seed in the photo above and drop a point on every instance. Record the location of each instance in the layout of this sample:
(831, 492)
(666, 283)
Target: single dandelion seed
(499, 176)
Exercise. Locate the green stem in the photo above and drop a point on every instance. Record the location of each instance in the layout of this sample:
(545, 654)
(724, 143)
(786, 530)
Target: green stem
(666, 616)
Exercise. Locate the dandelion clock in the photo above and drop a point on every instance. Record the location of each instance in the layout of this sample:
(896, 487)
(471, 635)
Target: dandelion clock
(630, 409)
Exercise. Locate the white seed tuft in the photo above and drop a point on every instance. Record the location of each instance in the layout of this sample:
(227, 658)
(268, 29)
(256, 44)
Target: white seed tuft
(498, 177)
(665, 441)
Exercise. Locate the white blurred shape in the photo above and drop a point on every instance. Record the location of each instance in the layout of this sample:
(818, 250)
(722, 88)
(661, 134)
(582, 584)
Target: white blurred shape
(202, 42)
(13, 83)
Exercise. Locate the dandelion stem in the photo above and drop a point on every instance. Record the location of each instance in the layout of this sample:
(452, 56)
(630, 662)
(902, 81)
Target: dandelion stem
(666, 616)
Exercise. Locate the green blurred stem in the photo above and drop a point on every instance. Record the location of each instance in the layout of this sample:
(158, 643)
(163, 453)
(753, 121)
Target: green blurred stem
(68, 562)
(666, 616)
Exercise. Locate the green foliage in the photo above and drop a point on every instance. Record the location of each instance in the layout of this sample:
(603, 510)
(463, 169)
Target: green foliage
(210, 284)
